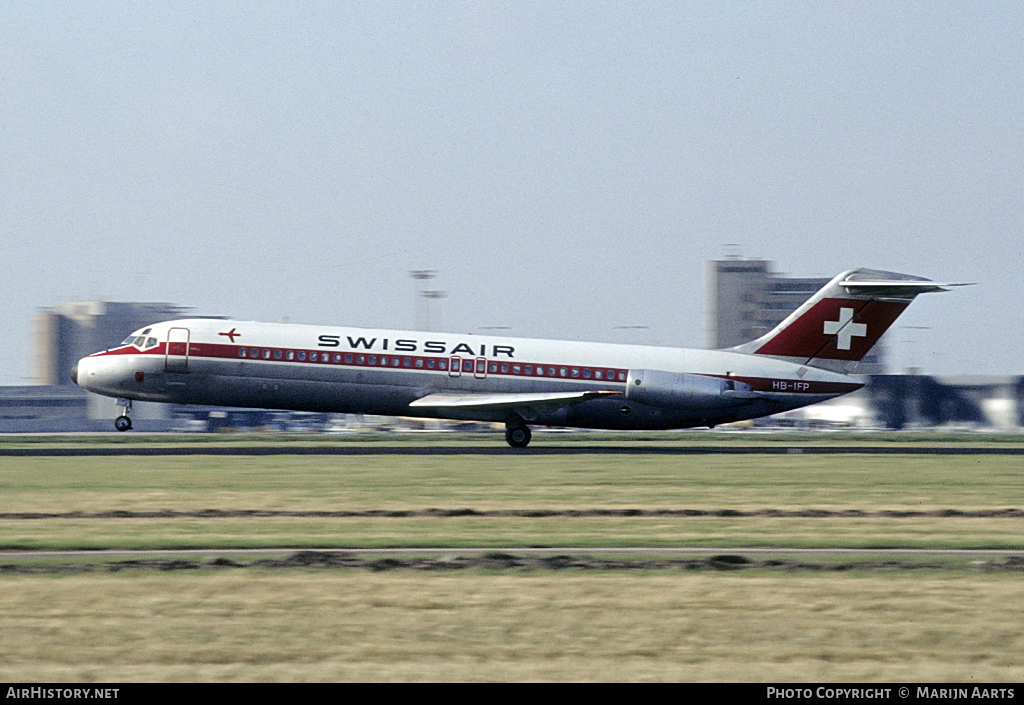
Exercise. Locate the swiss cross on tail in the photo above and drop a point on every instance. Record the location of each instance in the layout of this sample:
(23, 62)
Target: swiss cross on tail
(845, 329)
(844, 320)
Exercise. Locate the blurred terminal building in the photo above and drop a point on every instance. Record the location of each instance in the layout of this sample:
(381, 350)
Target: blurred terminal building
(746, 299)
(61, 336)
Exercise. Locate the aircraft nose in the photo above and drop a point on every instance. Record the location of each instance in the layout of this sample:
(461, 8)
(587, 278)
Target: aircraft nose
(103, 375)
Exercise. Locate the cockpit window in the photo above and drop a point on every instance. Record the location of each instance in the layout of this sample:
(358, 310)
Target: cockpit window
(139, 339)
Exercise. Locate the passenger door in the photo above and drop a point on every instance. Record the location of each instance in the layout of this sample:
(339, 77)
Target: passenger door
(177, 350)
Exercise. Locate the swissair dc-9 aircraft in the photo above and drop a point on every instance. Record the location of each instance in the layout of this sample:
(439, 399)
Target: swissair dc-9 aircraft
(517, 382)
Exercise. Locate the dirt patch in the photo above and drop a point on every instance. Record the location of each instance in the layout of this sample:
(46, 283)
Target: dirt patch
(1007, 513)
(340, 560)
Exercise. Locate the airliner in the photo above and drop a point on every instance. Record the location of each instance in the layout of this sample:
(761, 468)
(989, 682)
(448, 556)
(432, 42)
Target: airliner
(519, 382)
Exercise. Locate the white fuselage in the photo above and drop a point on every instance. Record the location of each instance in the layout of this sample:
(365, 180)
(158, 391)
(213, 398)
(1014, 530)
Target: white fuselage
(358, 370)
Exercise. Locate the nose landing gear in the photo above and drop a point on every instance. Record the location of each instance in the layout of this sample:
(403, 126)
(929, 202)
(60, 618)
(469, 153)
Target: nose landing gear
(124, 421)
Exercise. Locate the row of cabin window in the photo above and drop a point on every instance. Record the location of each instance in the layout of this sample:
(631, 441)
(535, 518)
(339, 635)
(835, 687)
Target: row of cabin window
(573, 372)
(431, 363)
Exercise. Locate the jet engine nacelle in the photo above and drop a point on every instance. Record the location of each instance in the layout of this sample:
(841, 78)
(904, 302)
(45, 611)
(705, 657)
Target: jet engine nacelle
(682, 391)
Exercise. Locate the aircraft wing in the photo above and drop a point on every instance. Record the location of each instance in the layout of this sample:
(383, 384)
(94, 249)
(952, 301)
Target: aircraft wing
(505, 401)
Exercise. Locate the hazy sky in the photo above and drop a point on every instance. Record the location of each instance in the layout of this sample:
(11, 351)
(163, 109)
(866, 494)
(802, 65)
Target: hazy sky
(568, 167)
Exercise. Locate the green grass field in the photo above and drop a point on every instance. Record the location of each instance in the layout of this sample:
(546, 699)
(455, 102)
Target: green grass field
(193, 501)
(249, 624)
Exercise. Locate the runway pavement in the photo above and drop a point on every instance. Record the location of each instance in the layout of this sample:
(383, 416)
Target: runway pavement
(499, 449)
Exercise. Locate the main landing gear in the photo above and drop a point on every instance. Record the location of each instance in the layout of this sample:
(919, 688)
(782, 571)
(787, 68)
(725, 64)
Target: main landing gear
(124, 421)
(518, 436)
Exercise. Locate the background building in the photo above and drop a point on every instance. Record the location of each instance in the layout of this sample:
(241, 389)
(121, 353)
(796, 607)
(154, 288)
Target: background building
(74, 329)
(748, 299)
(63, 335)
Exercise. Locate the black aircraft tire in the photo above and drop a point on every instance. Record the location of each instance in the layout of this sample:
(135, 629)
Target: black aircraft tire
(123, 423)
(518, 436)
